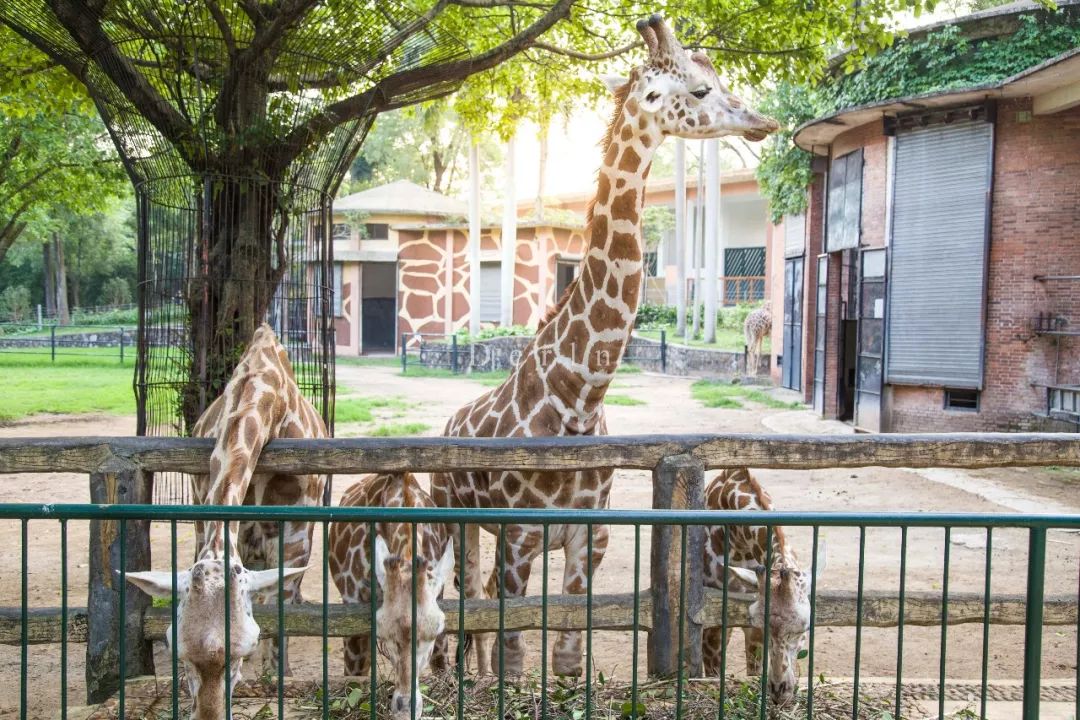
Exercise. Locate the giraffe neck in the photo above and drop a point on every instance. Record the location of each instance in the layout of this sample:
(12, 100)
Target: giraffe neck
(580, 347)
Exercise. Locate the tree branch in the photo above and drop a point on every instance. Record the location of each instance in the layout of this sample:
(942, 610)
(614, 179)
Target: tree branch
(289, 13)
(84, 25)
(589, 57)
(223, 26)
(378, 98)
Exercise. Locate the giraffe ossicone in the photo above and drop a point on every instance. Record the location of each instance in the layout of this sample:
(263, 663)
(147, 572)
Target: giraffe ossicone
(557, 388)
(260, 402)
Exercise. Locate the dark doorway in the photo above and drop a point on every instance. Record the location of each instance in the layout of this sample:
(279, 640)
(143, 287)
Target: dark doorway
(378, 306)
(871, 339)
(791, 376)
(846, 401)
(565, 272)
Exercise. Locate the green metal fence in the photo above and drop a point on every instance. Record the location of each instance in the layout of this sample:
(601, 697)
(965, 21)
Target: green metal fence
(672, 609)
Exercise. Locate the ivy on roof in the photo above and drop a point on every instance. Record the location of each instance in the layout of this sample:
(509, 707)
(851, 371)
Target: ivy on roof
(941, 60)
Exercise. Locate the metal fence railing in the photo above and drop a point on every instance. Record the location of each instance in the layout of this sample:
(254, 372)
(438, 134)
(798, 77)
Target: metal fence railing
(673, 609)
(68, 341)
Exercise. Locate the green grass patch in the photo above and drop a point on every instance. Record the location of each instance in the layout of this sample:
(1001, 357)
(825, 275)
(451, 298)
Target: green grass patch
(628, 369)
(398, 429)
(75, 384)
(490, 378)
(358, 361)
(622, 400)
(351, 410)
(715, 394)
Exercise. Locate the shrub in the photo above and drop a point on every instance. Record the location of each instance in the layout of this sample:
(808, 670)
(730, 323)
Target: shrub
(116, 291)
(654, 317)
(15, 303)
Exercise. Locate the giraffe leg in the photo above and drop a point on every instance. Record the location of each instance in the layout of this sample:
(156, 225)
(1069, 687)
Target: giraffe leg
(712, 645)
(474, 587)
(520, 548)
(752, 641)
(566, 653)
(357, 655)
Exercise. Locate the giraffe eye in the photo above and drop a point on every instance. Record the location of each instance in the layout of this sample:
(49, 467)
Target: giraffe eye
(701, 92)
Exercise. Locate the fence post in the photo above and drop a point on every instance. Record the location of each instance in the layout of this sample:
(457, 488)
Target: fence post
(52, 341)
(127, 486)
(39, 316)
(453, 353)
(678, 484)
(1033, 622)
(121, 345)
(663, 351)
(404, 354)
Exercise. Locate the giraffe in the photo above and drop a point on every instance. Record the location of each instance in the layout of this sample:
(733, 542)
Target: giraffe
(756, 328)
(558, 386)
(789, 600)
(350, 565)
(260, 402)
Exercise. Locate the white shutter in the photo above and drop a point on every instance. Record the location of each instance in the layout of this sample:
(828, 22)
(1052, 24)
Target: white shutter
(794, 235)
(490, 291)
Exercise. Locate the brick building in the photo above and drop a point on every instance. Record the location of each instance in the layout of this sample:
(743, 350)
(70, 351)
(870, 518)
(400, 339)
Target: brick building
(934, 282)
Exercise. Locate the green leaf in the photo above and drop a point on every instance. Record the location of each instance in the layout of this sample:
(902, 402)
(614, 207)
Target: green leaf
(803, 654)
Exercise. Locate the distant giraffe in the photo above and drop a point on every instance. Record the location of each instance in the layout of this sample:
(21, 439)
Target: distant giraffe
(261, 402)
(789, 600)
(756, 328)
(558, 387)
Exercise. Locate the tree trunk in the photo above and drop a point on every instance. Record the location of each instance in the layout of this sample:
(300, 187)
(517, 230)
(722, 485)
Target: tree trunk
(48, 272)
(8, 235)
(63, 316)
(541, 185)
(242, 256)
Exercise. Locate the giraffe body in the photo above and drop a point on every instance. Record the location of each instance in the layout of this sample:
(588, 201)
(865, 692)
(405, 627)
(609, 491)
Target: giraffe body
(351, 565)
(261, 402)
(756, 328)
(789, 606)
(558, 386)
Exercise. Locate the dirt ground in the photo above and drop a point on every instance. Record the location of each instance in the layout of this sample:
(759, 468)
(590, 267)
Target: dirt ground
(668, 408)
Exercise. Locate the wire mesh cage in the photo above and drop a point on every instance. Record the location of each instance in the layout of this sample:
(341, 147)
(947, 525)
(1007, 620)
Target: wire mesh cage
(195, 237)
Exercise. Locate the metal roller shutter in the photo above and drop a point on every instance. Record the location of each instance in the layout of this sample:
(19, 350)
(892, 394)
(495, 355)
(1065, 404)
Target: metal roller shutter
(937, 276)
(490, 291)
(794, 234)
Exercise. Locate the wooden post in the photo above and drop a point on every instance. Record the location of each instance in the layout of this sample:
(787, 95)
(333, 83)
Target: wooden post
(127, 486)
(678, 484)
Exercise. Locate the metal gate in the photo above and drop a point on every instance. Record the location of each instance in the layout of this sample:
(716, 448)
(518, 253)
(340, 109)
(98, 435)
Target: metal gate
(791, 376)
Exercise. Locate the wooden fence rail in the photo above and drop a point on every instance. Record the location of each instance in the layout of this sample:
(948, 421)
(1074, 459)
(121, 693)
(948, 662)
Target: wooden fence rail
(568, 612)
(359, 455)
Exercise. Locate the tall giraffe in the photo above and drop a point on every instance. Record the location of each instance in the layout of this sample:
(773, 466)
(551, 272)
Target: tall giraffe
(261, 402)
(756, 328)
(789, 596)
(351, 565)
(558, 386)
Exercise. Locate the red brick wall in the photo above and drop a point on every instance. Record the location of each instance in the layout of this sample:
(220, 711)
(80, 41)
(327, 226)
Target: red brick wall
(1035, 229)
(815, 219)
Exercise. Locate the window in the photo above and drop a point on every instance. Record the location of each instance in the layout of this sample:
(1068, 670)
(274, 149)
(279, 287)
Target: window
(341, 231)
(794, 234)
(377, 231)
(962, 399)
(565, 272)
(845, 202)
(337, 290)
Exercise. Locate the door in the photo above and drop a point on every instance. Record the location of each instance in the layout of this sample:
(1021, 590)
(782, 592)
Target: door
(490, 291)
(791, 375)
(378, 306)
(819, 336)
(871, 340)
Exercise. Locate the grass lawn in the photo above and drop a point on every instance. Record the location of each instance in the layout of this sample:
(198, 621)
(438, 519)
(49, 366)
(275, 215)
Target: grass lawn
(726, 339)
(362, 409)
(716, 394)
(617, 399)
(363, 361)
(77, 384)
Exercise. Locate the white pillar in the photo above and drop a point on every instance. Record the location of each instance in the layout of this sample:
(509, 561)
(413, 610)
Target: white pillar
(448, 283)
(712, 235)
(509, 239)
(474, 239)
(680, 236)
(699, 237)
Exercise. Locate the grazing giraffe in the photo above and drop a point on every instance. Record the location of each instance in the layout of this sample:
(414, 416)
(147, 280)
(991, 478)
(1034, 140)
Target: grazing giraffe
(557, 388)
(260, 402)
(756, 328)
(350, 565)
(789, 598)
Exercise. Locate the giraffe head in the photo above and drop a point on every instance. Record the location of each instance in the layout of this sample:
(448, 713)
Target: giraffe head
(681, 92)
(200, 619)
(394, 619)
(789, 621)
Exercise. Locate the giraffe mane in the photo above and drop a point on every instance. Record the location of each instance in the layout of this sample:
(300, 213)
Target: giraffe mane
(620, 95)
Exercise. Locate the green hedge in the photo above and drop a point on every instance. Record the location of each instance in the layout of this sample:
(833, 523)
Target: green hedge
(655, 317)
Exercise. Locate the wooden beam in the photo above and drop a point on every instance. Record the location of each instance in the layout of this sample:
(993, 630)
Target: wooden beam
(359, 455)
(1058, 99)
(565, 612)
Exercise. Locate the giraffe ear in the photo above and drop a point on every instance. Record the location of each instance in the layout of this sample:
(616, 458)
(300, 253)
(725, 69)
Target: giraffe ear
(821, 561)
(382, 554)
(444, 569)
(158, 584)
(614, 82)
(265, 579)
(734, 572)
